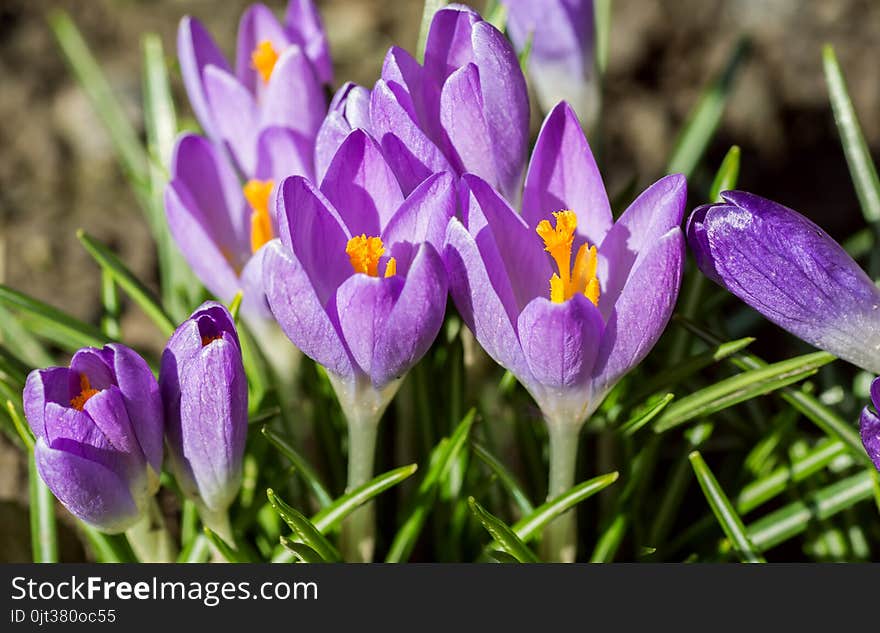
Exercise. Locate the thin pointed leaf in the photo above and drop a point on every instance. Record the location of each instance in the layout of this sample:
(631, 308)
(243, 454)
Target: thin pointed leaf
(14, 368)
(72, 331)
(227, 551)
(505, 537)
(727, 175)
(108, 548)
(728, 518)
(610, 540)
(21, 342)
(739, 388)
(23, 430)
(501, 557)
(645, 414)
(304, 530)
(198, 550)
(110, 302)
(302, 466)
(301, 551)
(505, 478)
(132, 286)
(602, 12)
(44, 534)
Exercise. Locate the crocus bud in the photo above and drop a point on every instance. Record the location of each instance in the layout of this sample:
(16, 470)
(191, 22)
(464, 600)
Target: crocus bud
(204, 391)
(98, 426)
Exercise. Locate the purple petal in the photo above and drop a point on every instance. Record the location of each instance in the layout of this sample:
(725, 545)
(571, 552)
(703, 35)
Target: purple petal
(299, 312)
(197, 50)
(410, 153)
(92, 363)
(304, 26)
(294, 97)
(414, 320)
(560, 342)
(281, 152)
(448, 46)
(563, 175)
(793, 273)
(463, 120)
(875, 392)
(258, 24)
(140, 393)
(477, 284)
(869, 429)
(235, 115)
(506, 104)
(349, 109)
(657, 210)
(312, 229)
(416, 92)
(253, 300)
(44, 386)
(421, 218)
(520, 249)
(641, 312)
(361, 185)
(90, 491)
(109, 415)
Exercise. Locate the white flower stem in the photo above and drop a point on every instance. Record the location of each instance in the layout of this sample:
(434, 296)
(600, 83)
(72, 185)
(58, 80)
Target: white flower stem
(359, 528)
(559, 543)
(150, 539)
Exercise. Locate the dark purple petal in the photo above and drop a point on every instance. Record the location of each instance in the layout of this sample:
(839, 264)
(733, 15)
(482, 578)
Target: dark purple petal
(281, 152)
(519, 248)
(869, 429)
(361, 186)
(235, 115)
(449, 46)
(299, 312)
(109, 415)
(421, 218)
(311, 228)
(257, 24)
(875, 393)
(560, 342)
(793, 273)
(90, 491)
(563, 175)
(482, 295)
(294, 98)
(304, 26)
(642, 310)
(349, 110)
(44, 386)
(464, 122)
(90, 362)
(651, 216)
(414, 320)
(197, 50)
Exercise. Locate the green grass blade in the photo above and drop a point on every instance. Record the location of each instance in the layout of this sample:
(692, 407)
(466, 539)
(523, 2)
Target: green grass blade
(111, 113)
(505, 537)
(727, 175)
(197, 550)
(602, 11)
(739, 388)
(132, 286)
(23, 430)
(108, 548)
(529, 526)
(21, 343)
(443, 457)
(305, 470)
(703, 120)
(44, 535)
(69, 330)
(303, 529)
(228, 552)
(329, 517)
(112, 308)
(727, 517)
(643, 415)
(505, 478)
(301, 551)
(431, 7)
(858, 156)
(610, 540)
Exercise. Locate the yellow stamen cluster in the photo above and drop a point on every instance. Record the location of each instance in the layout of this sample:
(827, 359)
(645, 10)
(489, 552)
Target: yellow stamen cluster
(207, 340)
(365, 253)
(558, 241)
(263, 59)
(85, 392)
(257, 193)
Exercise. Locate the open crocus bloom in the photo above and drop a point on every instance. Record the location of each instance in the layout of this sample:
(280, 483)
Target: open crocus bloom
(869, 425)
(99, 427)
(356, 281)
(560, 37)
(792, 272)
(562, 296)
(451, 113)
(277, 82)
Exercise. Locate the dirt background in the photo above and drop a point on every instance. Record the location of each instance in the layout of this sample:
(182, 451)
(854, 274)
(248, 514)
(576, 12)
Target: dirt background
(58, 171)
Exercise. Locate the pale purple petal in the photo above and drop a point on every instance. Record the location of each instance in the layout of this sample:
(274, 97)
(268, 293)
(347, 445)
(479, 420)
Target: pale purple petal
(463, 120)
(281, 152)
(109, 415)
(258, 24)
(304, 26)
(869, 429)
(196, 50)
(563, 175)
(294, 98)
(792, 272)
(235, 115)
(253, 300)
(90, 362)
(41, 387)
(449, 41)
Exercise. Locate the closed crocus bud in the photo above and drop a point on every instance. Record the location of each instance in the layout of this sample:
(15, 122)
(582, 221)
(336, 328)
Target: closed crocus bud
(204, 391)
(98, 425)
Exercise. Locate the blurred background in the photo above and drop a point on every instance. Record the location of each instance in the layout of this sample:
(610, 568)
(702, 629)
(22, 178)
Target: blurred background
(58, 171)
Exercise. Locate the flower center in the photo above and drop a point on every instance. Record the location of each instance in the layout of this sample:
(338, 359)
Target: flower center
(207, 340)
(85, 392)
(263, 59)
(365, 253)
(580, 278)
(257, 192)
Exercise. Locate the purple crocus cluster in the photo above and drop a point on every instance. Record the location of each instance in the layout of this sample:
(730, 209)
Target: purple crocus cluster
(100, 423)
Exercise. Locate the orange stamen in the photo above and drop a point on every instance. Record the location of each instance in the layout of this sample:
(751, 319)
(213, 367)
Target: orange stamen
(263, 59)
(85, 392)
(257, 193)
(558, 241)
(365, 252)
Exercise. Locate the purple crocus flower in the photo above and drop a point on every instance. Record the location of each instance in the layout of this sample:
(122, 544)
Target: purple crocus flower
(869, 425)
(792, 272)
(277, 81)
(98, 425)
(561, 295)
(450, 113)
(349, 110)
(561, 59)
(204, 391)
